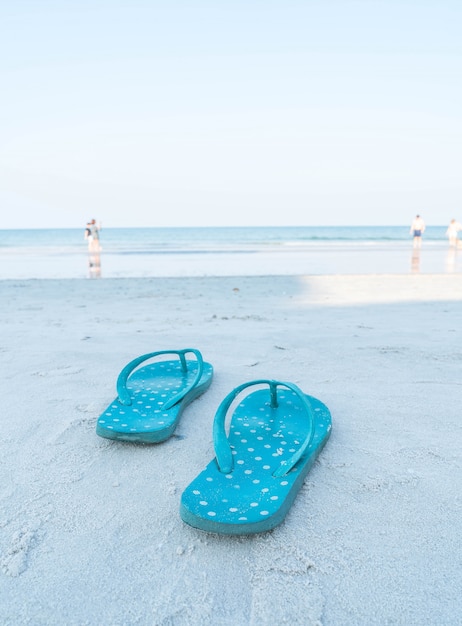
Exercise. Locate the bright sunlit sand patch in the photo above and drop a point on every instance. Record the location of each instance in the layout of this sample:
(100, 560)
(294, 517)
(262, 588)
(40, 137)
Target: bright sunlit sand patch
(379, 289)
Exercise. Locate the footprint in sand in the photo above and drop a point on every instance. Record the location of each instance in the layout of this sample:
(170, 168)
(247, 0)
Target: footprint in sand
(15, 560)
(275, 564)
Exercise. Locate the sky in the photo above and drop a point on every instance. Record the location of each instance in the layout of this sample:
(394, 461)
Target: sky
(230, 112)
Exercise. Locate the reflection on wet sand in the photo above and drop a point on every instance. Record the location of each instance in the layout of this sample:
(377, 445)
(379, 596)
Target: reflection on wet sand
(94, 263)
(451, 260)
(415, 261)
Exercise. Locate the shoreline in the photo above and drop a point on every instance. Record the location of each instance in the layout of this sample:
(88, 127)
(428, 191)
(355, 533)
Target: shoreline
(323, 289)
(287, 260)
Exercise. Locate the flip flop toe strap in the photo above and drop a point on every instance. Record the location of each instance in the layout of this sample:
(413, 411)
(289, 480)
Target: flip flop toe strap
(123, 393)
(222, 447)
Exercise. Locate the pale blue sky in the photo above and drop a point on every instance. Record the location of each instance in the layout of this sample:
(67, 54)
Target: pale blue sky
(239, 112)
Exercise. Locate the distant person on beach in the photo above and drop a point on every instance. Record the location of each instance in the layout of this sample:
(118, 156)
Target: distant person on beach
(453, 233)
(417, 230)
(94, 249)
(92, 236)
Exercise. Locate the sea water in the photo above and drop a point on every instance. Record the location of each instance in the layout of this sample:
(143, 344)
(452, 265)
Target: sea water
(205, 251)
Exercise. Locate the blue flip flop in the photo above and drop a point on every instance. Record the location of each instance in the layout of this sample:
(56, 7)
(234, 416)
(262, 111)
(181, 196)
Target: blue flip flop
(274, 439)
(151, 399)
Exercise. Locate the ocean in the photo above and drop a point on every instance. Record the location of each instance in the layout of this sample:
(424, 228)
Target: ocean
(202, 251)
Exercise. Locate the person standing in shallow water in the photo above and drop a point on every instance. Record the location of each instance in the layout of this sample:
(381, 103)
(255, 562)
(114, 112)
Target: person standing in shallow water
(92, 234)
(453, 233)
(417, 230)
(94, 249)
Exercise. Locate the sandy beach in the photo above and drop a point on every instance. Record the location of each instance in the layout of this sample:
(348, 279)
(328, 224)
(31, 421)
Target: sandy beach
(90, 531)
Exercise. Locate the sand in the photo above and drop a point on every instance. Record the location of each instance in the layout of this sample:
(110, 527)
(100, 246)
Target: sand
(89, 528)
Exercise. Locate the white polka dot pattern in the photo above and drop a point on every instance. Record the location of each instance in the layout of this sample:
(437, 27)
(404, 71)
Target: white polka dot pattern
(249, 498)
(150, 387)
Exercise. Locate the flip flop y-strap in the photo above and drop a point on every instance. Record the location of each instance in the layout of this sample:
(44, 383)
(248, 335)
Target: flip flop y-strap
(123, 393)
(223, 450)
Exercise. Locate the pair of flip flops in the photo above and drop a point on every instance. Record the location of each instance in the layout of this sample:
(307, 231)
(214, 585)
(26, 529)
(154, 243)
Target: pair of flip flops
(275, 435)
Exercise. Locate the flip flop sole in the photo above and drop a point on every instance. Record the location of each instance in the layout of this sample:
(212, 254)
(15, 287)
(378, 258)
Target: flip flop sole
(250, 499)
(150, 387)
